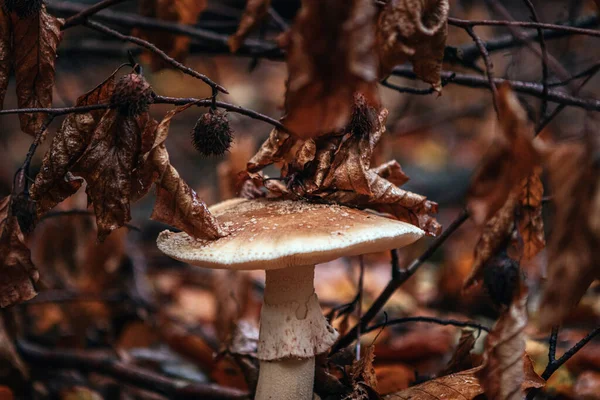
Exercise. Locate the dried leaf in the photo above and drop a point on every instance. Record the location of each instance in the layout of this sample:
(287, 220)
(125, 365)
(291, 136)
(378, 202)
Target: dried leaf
(461, 358)
(36, 39)
(510, 159)
(364, 379)
(573, 254)
(106, 165)
(52, 184)
(17, 273)
(462, 385)
(416, 31)
(320, 93)
(495, 234)
(505, 363)
(5, 53)
(273, 150)
(254, 14)
(530, 223)
(392, 171)
(176, 46)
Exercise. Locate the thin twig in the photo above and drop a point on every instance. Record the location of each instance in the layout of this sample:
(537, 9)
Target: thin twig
(552, 345)
(433, 320)
(127, 373)
(409, 90)
(359, 295)
(540, 31)
(489, 68)
(144, 43)
(57, 111)
(67, 213)
(523, 24)
(36, 142)
(397, 281)
(88, 12)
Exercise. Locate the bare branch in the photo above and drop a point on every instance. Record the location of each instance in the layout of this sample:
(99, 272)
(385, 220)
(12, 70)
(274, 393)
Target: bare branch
(88, 12)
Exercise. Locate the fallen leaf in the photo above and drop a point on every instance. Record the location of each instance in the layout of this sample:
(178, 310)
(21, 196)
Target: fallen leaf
(509, 160)
(17, 272)
(461, 358)
(176, 46)
(530, 223)
(573, 256)
(5, 53)
(36, 39)
(415, 31)
(363, 377)
(462, 385)
(254, 14)
(393, 378)
(320, 93)
(507, 372)
(52, 184)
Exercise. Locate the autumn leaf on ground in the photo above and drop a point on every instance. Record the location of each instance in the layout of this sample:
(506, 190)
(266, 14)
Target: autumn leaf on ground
(36, 38)
(530, 223)
(364, 380)
(176, 46)
(573, 256)
(509, 160)
(17, 273)
(254, 14)
(505, 374)
(53, 183)
(415, 31)
(463, 385)
(320, 93)
(461, 358)
(5, 53)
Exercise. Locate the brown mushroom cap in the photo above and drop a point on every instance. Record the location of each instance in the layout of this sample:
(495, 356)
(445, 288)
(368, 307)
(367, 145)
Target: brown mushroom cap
(271, 234)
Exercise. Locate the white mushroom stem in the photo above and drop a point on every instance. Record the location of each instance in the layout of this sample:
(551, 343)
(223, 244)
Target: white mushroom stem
(292, 331)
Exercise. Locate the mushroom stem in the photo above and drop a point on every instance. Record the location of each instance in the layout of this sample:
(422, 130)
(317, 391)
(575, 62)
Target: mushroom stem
(292, 331)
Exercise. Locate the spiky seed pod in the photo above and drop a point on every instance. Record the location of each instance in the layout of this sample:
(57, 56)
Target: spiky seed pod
(212, 135)
(132, 95)
(364, 117)
(23, 8)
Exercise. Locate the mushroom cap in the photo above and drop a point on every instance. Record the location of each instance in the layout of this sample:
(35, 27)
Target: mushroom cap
(271, 234)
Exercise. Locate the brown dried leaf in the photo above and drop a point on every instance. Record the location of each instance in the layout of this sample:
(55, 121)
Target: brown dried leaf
(416, 31)
(505, 368)
(176, 46)
(461, 358)
(462, 385)
(107, 166)
(36, 40)
(254, 14)
(495, 234)
(510, 160)
(275, 149)
(573, 254)
(392, 171)
(17, 273)
(320, 93)
(52, 185)
(364, 379)
(5, 53)
(530, 223)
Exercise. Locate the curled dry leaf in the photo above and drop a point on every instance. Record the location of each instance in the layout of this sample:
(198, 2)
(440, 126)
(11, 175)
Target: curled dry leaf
(507, 372)
(510, 159)
(36, 39)
(176, 203)
(461, 358)
(17, 273)
(319, 92)
(415, 31)
(530, 223)
(53, 183)
(254, 14)
(364, 379)
(573, 254)
(176, 46)
(336, 168)
(5, 53)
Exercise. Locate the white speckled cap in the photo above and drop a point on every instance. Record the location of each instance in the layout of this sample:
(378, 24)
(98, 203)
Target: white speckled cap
(271, 234)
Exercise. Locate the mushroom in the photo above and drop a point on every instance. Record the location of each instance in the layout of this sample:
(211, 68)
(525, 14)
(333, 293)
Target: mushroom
(286, 238)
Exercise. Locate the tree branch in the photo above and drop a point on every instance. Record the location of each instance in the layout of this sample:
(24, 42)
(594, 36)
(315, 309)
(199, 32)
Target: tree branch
(88, 12)
(433, 320)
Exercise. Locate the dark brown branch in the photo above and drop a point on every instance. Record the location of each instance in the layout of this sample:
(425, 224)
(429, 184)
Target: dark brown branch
(552, 345)
(67, 213)
(523, 24)
(226, 106)
(529, 88)
(124, 372)
(489, 68)
(397, 281)
(149, 46)
(57, 111)
(433, 320)
(88, 12)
